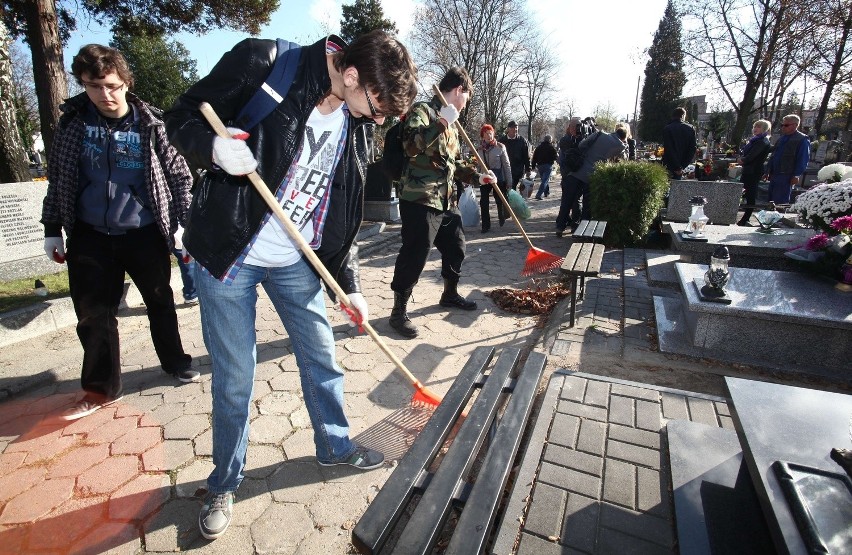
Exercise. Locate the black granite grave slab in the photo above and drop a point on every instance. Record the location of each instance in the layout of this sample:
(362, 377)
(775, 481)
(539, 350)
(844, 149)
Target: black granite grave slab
(799, 427)
(716, 507)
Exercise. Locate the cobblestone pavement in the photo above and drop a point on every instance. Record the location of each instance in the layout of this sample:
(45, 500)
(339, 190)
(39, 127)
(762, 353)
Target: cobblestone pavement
(127, 479)
(597, 468)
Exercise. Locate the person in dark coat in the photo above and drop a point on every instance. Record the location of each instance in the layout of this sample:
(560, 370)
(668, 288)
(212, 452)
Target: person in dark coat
(543, 158)
(518, 150)
(678, 144)
(752, 158)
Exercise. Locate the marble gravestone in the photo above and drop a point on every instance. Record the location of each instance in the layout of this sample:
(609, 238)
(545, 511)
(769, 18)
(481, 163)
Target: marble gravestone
(21, 234)
(716, 507)
(749, 247)
(723, 199)
(796, 428)
(775, 316)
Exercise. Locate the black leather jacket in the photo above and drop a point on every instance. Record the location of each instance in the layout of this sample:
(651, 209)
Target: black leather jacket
(226, 211)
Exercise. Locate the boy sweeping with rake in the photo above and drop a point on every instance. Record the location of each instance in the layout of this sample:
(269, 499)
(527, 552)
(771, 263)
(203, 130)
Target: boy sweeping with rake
(426, 202)
(311, 150)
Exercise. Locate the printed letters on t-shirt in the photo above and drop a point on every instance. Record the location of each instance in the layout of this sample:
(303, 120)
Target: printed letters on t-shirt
(310, 181)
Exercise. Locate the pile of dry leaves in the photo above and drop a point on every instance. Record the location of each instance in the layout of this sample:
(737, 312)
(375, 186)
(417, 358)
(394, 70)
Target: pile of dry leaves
(539, 299)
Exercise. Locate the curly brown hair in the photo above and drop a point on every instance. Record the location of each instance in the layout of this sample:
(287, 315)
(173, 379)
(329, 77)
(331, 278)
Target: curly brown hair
(98, 60)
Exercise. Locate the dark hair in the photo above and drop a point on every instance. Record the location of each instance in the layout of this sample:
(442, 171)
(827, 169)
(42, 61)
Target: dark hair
(621, 133)
(679, 113)
(484, 128)
(98, 60)
(456, 76)
(384, 67)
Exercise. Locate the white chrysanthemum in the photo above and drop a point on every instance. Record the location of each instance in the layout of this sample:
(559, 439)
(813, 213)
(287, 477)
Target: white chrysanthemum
(834, 172)
(828, 201)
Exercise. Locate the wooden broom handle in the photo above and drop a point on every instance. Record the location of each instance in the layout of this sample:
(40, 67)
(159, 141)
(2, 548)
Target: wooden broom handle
(219, 128)
(484, 168)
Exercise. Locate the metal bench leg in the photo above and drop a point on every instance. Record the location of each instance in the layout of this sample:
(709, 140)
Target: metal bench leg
(582, 286)
(573, 298)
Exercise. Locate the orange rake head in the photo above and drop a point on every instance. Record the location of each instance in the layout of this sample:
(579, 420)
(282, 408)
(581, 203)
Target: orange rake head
(424, 398)
(539, 262)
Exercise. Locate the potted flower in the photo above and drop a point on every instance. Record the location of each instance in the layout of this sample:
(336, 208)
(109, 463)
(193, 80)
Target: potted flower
(834, 173)
(828, 208)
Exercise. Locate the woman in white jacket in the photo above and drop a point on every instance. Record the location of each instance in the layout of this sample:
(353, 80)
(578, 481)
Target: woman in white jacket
(493, 154)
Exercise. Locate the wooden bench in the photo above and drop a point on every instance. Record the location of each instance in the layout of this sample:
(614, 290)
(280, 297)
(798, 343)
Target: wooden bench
(449, 486)
(583, 260)
(590, 231)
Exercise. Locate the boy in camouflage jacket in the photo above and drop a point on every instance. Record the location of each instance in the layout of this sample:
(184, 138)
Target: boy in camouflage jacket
(434, 162)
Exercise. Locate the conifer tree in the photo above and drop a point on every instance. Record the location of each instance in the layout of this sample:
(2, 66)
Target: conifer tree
(664, 77)
(162, 69)
(362, 17)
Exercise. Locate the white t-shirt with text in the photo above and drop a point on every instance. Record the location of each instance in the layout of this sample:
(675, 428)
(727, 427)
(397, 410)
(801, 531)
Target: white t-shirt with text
(311, 177)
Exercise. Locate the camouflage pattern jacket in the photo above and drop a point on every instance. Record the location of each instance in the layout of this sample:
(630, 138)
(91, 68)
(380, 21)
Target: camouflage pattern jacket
(434, 157)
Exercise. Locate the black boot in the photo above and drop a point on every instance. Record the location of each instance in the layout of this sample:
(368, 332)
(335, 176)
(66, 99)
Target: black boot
(452, 299)
(399, 316)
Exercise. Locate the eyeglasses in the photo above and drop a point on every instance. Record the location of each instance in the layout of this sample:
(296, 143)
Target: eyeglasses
(788, 124)
(109, 87)
(375, 113)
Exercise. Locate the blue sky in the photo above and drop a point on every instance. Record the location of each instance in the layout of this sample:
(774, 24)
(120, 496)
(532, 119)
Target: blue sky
(600, 45)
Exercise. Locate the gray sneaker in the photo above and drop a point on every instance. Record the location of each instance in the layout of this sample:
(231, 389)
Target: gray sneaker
(215, 515)
(363, 458)
(187, 376)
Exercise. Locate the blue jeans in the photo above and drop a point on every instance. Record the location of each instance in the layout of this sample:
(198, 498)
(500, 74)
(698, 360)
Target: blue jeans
(187, 275)
(228, 315)
(544, 171)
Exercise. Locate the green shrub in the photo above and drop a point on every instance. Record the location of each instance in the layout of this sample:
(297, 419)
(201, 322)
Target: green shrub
(628, 196)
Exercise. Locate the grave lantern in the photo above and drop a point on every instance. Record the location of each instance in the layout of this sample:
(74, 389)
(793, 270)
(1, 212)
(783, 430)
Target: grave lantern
(717, 275)
(697, 220)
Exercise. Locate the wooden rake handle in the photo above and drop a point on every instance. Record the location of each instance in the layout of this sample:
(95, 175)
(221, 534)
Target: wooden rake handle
(484, 168)
(219, 128)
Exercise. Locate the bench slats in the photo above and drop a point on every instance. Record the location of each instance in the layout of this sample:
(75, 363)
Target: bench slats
(581, 229)
(372, 530)
(470, 534)
(595, 261)
(425, 525)
(583, 259)
(590, 230)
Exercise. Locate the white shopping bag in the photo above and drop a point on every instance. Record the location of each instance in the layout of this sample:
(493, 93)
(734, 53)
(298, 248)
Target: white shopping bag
(468, 208)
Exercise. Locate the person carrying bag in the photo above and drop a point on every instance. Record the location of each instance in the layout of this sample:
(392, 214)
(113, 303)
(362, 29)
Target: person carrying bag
(494, 155)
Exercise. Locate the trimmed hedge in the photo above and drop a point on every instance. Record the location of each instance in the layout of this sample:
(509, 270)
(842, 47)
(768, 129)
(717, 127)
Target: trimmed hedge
(628, 196)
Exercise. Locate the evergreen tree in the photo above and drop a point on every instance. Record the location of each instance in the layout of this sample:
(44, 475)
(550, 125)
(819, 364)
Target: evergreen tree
(664, 77)
(362, 17)
(162, 69)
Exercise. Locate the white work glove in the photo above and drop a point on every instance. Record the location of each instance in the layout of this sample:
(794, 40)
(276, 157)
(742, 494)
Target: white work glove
(179, 246)
(54, 247)
(487, 178)
(179, 238)
(359, 303)
(450, 114)
(233, 155)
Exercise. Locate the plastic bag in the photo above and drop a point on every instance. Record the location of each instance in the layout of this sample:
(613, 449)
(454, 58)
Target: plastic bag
(518, 204)
(468, 208)
(525, 187)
